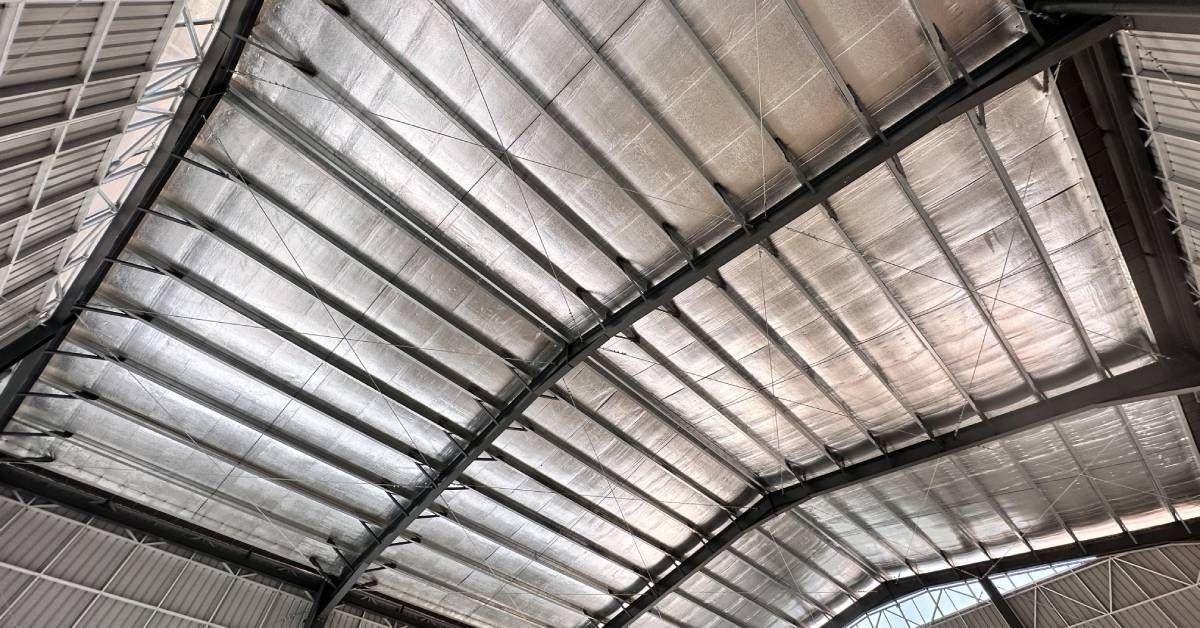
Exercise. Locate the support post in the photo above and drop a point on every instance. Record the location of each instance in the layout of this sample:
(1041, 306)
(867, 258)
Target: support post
(1006, 611)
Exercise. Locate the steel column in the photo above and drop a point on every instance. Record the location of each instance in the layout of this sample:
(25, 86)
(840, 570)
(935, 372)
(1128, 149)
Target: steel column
(1001, 604)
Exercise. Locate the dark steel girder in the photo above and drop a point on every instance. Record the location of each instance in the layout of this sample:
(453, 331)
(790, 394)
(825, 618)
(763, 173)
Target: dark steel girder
(1001, 603)
(1170, 377)
(891, 590)
(1023, 59)
(1091, 7)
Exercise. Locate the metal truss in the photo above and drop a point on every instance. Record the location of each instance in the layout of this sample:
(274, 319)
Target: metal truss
(1078, 595)
(1107, 546)
(210, 80)
(153, 98)
(1125, 569)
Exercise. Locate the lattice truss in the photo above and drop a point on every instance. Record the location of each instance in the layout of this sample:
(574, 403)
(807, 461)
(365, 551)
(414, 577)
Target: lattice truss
(86, 90)
(1164, 69)
(1152, 588)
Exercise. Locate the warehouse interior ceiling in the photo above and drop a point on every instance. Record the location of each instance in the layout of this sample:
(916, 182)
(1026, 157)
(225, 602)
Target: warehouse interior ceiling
(570, 313)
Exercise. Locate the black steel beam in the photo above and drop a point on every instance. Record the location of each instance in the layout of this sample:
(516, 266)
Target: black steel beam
(895, 589)
(1002, 606)
(1023, 59)
(1089, 7)
(1187, 24)
(1099, 102)
(29, 342)
(1170, 377)
(90, 500)
(207, 87)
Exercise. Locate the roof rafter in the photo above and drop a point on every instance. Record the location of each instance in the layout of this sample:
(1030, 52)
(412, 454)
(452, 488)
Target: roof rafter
(1023, 59)
(1170, 377)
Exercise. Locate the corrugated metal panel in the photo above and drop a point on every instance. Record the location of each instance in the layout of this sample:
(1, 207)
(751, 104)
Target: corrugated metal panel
(65, 72)
(1156, 588)
(56, 571)
(1166, 85)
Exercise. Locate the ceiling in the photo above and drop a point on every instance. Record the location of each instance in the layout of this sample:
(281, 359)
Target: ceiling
(408, 308)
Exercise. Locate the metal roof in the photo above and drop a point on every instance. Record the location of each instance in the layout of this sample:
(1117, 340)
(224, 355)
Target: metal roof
(657, 313)
(1155, 588)
(1163, 71)
(61, 569)
(86, 89)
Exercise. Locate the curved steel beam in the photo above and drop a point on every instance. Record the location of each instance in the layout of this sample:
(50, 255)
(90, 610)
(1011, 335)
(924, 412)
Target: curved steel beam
(1170, 377)
(1168, 7)
(1018, 62)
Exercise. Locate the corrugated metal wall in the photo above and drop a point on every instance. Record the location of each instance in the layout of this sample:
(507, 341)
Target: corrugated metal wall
(60, 569)
(1151, 588)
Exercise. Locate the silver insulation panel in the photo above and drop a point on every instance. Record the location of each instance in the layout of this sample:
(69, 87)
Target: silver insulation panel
(354, 268)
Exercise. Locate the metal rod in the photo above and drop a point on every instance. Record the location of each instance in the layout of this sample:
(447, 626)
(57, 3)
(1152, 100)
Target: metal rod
(1089, 7)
